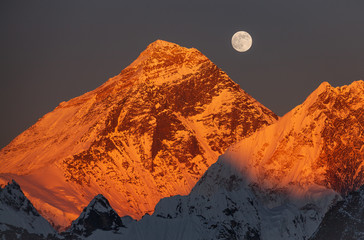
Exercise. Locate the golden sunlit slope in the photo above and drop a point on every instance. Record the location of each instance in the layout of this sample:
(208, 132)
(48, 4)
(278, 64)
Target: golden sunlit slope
(277, 183)
(319, 144)
(148, 133)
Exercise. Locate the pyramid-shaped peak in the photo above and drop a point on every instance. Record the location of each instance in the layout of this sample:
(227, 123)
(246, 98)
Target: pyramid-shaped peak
(324, 86)
(12, 195)
(99, 204)
(161, 43)
(167, 47)
(161, 54)
(19, 213)
(169, 115)
(100, 197)
(97, 215)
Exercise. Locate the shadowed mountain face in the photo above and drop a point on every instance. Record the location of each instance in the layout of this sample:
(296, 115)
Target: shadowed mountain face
(148, 133)
(345, 220)
(98, 215)
(18, 218)
(225, 204)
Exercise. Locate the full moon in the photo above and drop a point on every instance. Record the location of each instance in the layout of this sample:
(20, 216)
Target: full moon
(241, 41)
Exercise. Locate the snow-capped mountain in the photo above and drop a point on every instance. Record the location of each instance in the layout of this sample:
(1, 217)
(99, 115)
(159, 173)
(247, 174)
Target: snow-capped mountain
(318, 144)
(150, 132)
(220, 206)
(18, 217)
(96, 218)
(244, 196)
(345, 220)
(226, 205)
(279, 182)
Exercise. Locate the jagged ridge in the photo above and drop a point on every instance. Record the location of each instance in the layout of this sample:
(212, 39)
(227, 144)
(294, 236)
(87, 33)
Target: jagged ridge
(275, 184)
(318, 143)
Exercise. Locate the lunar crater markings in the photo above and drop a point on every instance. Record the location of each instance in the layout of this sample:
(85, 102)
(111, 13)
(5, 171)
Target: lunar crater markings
(241, 41)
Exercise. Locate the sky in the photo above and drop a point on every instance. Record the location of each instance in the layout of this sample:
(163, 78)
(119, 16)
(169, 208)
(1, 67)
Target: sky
(52, 51)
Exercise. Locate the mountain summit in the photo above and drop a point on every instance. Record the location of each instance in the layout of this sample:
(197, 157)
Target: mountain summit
(318, 143)
(149, 132)
(98, 215)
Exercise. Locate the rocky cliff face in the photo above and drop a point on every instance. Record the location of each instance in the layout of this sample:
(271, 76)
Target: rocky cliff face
(150, 132)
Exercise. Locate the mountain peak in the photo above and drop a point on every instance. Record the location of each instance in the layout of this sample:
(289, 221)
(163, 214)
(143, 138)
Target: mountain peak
(314, 96)
(161, 43)
(14, 196)
(322, 138)
(343, 95)
(100, 203)
(17, 212)
(324, 86)
(13, 184)
(148, 133)
(355, 86)
(161, 54)
(97, 215)
(335, 99)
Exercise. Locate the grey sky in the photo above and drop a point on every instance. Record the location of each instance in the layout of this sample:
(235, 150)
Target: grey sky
(52, 51)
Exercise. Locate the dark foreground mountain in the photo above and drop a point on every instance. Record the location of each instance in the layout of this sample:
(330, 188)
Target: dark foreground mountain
(98, 219)
(148, 133)
(345, 220)
(18, 218)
